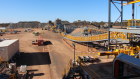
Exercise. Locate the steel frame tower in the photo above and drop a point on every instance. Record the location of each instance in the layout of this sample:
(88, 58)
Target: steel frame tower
(121, 2)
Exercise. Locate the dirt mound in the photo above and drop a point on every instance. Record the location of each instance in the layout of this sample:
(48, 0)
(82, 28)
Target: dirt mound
(77, 32)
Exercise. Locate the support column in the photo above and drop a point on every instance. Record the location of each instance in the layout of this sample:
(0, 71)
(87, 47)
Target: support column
(121, 14)
(133, 13)
(109, 22)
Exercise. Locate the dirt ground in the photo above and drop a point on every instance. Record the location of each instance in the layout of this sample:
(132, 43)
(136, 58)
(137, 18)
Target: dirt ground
(50, 61)
(60, 54)
(44, 62)
(32, 56)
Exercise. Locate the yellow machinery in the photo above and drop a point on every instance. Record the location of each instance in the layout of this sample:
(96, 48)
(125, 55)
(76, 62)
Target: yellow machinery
(3, 30)
(113, 35)
(126, 50)
(133, 22)
(53, 28)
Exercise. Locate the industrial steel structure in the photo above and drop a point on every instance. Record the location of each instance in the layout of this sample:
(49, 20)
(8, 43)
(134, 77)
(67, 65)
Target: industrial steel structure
(122, 2)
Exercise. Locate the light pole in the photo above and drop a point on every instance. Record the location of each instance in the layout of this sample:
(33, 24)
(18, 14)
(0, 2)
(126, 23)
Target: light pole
(74, 52)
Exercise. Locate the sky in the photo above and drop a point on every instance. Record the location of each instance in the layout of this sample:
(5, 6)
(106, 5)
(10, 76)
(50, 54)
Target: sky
(44, 10)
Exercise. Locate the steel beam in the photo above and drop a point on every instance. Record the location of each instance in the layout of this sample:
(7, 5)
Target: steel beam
(133, 13)
(137, 31)
(109, 22)
(121, 14)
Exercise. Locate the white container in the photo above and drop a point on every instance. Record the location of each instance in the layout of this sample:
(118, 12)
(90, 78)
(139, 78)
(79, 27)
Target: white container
(8, 48)
(23, 69)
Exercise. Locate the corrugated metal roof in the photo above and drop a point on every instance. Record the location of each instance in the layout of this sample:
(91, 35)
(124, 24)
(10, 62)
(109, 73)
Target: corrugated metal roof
(135, 62)
(7, 42)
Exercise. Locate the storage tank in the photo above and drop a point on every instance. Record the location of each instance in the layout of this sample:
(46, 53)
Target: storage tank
(8, 48)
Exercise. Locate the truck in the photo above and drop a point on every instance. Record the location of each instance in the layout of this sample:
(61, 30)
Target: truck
(38, 42)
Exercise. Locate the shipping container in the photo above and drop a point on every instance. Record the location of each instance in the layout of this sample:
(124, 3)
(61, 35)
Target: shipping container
(8, 48)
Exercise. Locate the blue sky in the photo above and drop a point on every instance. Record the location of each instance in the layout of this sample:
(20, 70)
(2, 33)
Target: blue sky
(71, 10)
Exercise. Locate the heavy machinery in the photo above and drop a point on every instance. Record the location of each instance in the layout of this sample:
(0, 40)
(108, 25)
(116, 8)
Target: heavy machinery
(38, 42)
(36, 33)
(129, 50)
(133, 24)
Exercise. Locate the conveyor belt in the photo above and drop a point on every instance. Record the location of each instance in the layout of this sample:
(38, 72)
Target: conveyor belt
(100, 37)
